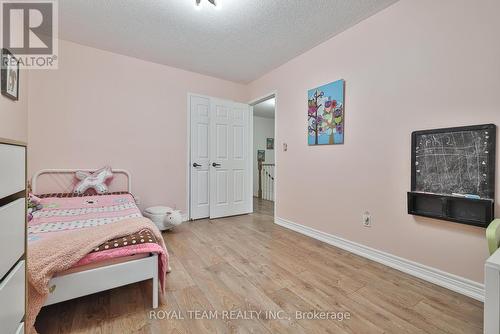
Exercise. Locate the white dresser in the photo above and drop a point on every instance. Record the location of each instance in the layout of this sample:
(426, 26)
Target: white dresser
(12, 236)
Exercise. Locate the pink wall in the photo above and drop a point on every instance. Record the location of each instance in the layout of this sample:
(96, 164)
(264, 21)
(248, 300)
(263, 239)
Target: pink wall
(416, 65)
(14, 114)
(102, 108)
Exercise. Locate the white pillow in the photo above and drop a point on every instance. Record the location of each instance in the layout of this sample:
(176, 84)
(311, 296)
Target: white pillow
(95, 180)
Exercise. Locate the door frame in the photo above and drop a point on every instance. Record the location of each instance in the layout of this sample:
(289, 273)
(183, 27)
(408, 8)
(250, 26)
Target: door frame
(188, 150)
(252, 103)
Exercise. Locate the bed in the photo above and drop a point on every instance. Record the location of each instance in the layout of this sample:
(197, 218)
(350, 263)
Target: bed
(116, 262)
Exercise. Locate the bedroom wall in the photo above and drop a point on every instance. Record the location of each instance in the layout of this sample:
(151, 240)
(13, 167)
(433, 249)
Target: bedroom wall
(102, 108)
(14, 114)
(415, 65)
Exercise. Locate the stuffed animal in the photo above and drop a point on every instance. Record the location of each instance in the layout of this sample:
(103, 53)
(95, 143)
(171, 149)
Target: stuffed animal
(164, 217)
(172, 219)
(34, 204)
(96, 180)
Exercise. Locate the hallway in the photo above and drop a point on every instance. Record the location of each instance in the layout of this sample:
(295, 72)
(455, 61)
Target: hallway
(263, 207)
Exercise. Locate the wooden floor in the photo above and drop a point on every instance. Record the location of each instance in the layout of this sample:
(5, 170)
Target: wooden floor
(248, 263)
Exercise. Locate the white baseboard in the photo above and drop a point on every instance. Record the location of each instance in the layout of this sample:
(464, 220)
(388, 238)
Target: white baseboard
(450, 281)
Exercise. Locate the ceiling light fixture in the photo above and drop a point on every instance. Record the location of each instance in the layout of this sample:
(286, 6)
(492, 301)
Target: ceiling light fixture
(198, 2)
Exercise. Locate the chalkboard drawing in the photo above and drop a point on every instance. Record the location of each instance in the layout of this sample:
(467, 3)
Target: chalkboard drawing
(455, 161)
(326, 114)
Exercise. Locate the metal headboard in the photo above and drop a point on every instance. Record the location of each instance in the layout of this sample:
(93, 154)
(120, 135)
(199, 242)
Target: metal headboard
(72, 171)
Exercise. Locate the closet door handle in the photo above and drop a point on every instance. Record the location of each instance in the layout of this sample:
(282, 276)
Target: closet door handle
(215, 165)
(196, 165)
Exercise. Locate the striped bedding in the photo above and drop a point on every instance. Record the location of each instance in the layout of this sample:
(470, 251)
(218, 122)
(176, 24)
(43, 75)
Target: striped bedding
(65, 212)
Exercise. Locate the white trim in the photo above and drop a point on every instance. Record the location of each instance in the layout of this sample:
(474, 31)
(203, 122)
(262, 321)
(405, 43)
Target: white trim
(250, 157)
(263, 98)
(447, 280)
(68, 171)
(188, 165)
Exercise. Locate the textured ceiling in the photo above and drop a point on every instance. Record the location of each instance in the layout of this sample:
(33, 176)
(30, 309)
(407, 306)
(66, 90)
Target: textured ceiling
(265, 108)
(240, 40)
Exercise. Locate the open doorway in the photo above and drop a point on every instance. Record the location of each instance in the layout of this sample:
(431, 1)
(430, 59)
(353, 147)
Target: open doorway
(264, 161)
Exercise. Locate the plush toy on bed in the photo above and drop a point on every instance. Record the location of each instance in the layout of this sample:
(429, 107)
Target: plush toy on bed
(34, 204)
(96, 180)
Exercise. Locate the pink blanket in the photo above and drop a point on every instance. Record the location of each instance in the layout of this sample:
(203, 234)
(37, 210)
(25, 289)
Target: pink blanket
(65, 232)
(69, 213)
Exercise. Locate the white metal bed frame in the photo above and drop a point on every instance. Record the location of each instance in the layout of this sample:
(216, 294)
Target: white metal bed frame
(34, 180)
(82, 283)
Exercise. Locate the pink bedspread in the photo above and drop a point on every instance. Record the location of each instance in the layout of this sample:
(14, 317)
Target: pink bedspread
(69, 213)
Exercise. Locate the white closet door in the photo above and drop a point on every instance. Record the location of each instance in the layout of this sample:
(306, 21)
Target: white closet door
(230, 168)
(200, 157)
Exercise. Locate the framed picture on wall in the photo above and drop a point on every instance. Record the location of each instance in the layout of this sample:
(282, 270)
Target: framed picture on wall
(326, 114)
(9, 75)
(261, 155)
(270, 143)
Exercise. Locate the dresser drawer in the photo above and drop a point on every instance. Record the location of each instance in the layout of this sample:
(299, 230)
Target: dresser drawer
(12, 299)
(12, 231)
(12, 167)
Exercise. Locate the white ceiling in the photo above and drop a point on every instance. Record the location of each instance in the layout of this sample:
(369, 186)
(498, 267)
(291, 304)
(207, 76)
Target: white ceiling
(240, 40)
(265, 108)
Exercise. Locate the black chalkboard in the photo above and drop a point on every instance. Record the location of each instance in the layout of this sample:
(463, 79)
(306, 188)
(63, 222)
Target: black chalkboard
(455, 161)
(453, 174)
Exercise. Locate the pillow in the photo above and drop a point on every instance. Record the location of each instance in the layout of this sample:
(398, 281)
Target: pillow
(96, 180)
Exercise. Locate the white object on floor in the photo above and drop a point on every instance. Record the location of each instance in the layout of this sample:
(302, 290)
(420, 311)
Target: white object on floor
(492, 294)
(164, 217)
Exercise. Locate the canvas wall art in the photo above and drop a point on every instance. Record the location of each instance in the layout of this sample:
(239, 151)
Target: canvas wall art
(261, 155)
(270, 143)
(326, 114)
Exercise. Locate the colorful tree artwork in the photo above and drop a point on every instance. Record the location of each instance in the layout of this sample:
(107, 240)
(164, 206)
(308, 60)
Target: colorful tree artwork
(326, 114)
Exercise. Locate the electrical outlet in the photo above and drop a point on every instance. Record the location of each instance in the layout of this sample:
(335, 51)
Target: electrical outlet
(367, 219)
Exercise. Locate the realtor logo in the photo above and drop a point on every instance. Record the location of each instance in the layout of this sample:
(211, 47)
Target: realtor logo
(29, 32)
